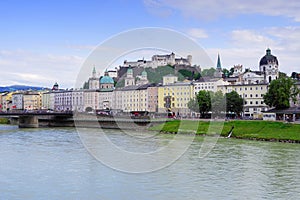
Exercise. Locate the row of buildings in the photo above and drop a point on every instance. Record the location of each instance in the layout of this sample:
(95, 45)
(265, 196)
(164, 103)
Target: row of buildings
(140, 95)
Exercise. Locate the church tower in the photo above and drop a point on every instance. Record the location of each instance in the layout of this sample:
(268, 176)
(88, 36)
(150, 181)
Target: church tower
(143, 78)
(129, 80)
(269, 66)
(93, 81)
(218, 73)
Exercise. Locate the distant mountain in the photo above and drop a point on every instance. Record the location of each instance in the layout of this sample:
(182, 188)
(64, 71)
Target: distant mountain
(13, 88)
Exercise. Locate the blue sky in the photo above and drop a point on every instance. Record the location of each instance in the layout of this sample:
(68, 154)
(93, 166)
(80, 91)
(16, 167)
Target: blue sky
(42, 42)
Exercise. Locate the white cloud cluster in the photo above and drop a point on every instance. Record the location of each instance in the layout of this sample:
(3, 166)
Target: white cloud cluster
(26, 67)
(218, 8)
(197, 33)
(249, 46)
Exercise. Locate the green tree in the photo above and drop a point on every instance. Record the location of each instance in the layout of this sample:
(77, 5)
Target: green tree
(186, 74)
(208, 72)
(282, 75)
(193, 105)
(202, 103)
(218, 102)
(234, 103)
(280, 92)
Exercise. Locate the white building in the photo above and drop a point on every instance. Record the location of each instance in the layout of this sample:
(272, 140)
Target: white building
(48, 100)
(253, 97)
(17, 101)
(63, 100)
(208, 84)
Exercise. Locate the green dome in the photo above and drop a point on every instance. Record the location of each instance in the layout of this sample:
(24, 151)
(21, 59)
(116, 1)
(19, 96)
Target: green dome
(144, 73)
(106, 80)
(129, 70)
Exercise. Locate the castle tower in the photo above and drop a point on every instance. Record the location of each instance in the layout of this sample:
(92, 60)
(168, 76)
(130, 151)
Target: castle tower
(269, 66)
(189, 59)
(237, 70)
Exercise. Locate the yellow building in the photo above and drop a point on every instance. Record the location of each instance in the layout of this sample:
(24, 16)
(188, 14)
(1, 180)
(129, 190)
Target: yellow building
(174, 97)
(6, 101)
(32, 101)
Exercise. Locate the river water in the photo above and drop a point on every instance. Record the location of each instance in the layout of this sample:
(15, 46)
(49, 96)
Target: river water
(52, 163)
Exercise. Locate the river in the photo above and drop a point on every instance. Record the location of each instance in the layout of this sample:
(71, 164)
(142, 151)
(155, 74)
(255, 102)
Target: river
(52, 163)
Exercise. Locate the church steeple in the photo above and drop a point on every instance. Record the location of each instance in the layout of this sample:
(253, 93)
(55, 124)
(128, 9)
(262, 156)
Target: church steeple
(218, 73)
(219, 66)
(94, 72)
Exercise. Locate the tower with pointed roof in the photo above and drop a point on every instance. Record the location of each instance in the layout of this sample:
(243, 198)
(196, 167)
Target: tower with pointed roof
(93, 81)
(218, 73)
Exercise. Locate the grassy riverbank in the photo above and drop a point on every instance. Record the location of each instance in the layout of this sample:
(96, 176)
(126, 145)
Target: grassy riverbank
(4, 121)
(256, 130)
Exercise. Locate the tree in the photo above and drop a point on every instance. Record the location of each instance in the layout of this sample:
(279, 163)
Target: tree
(208, 72)
(234, 103)
(280, 92)
(218, 102)
(202, 103)
(193, 105)
(282, 75)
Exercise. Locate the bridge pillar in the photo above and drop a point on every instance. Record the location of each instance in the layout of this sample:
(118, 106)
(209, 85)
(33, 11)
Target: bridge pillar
(27, 121)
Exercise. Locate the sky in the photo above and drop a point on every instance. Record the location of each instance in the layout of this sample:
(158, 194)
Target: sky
(43, 42)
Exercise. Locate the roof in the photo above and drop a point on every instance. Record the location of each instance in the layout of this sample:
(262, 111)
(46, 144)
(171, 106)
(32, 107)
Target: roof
(106, 80)
(291, 110)
(219, 63)
(268, 58)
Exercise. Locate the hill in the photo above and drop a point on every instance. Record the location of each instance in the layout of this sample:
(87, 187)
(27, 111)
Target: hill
(13, 88)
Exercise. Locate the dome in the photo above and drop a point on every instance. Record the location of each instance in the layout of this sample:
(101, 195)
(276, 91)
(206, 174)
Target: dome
(144, 73)
(129, 71)
(106, 80)
(268, 58)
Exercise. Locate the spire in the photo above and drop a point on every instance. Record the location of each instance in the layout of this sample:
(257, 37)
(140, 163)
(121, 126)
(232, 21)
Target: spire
(106, 73)
(94, 72)
(219, 63)
(268, 51)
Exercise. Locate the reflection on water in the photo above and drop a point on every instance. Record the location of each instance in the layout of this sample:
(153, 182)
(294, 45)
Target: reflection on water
(53, 164)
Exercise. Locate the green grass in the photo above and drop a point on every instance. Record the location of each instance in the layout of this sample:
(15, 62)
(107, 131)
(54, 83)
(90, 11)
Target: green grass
(262, 130)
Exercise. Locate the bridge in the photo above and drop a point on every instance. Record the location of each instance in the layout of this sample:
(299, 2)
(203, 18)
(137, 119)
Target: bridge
(39, 119)
(68, 119)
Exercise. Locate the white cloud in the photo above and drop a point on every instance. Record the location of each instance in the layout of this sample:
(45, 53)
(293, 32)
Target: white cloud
(25, 67)
(248, 46)
(197, 33)
(217, 8)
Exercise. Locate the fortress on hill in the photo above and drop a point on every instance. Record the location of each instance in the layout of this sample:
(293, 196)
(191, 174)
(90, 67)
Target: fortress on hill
(160, 60)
